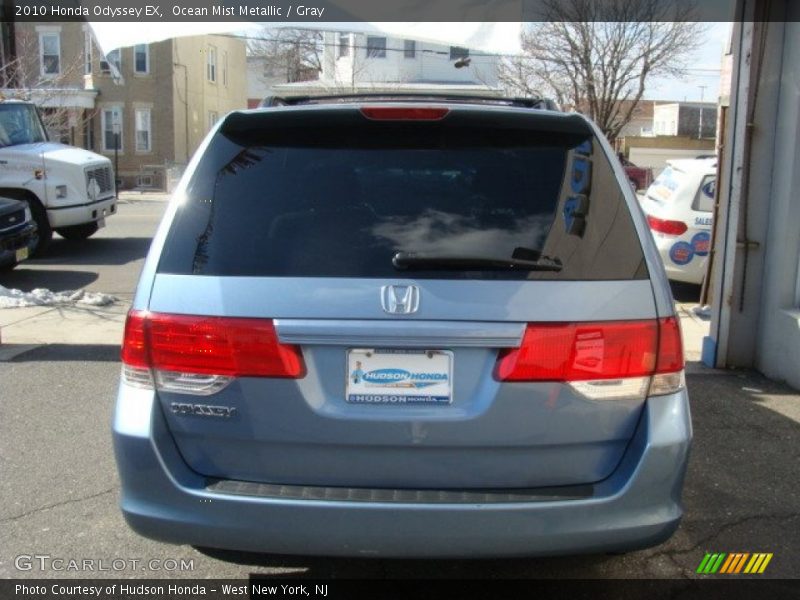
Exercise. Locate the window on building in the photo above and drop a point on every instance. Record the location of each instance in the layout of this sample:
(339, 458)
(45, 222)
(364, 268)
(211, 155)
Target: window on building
(111, 117)
(211, 64)
(224, 68)
(143, 130)
(376, 47)
(50, 53)
(114, 58)
(213, 116)
(344, 44)
(141, 58)
(409, 49)
(88, 47)
(457, 52)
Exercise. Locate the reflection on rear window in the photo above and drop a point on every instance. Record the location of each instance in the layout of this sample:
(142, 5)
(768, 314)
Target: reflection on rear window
(328, 210)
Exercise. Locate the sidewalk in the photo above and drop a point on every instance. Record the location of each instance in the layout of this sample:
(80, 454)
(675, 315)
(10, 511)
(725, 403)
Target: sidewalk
(22, 329)
(132, 197)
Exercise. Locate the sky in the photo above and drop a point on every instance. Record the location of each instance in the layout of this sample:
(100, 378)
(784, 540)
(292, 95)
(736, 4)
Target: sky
(705, 71)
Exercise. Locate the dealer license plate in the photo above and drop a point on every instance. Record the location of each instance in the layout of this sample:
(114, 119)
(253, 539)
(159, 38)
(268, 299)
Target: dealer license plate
(21, 254)
(397, 377)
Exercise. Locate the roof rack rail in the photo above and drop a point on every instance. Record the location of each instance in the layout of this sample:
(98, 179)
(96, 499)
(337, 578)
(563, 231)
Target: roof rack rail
(540, 103)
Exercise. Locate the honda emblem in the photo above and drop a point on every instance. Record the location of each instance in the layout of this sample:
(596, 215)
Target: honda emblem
(400, 299)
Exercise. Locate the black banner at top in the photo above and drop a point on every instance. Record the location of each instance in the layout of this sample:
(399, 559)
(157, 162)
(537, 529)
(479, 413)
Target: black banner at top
(321, 11)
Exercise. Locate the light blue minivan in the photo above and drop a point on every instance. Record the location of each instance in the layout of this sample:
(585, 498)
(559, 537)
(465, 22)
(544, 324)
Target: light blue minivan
(403, 326)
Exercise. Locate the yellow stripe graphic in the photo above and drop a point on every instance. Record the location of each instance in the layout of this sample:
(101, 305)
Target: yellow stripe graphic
(765, 563)
(753, 564)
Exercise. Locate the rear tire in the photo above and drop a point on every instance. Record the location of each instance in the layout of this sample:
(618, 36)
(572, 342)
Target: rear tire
(78, 232)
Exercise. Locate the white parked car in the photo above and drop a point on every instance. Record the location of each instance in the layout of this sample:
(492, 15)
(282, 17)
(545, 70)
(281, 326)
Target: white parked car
(679, 207)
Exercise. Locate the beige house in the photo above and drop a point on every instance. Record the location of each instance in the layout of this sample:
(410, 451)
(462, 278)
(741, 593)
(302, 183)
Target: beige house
(158, 100)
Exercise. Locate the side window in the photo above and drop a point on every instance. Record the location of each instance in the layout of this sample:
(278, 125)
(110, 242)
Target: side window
(50, 54)
(112, 58)
(344, 44)
(457, 52)
(376, 47)
(211, 64)
(141, 59)
(143, 130)
(704, 199)
(111, 122)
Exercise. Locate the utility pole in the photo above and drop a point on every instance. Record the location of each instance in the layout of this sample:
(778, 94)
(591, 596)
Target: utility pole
(700, 126)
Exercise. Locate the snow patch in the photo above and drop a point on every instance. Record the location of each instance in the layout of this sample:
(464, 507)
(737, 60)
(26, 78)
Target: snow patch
(44, 297)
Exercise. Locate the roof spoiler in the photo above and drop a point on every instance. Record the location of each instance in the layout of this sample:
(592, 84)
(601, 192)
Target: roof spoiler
(537, 103)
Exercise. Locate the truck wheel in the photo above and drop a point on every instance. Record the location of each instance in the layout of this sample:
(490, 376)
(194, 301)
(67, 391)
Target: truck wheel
(78, 232)
(44, 232)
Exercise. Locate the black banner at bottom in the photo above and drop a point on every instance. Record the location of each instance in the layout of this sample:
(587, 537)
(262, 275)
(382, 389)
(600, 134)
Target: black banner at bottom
(261, 587)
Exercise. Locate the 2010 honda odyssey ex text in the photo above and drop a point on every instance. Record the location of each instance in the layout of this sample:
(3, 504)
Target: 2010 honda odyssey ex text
(403, 326)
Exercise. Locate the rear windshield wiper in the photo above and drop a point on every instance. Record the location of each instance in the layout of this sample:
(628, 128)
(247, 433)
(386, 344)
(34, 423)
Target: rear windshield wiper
(418, 261)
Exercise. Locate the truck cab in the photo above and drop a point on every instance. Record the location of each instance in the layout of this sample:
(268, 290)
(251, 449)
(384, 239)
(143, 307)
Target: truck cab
(69, 190)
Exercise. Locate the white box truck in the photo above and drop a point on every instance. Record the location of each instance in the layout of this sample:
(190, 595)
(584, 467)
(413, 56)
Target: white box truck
(69, 190)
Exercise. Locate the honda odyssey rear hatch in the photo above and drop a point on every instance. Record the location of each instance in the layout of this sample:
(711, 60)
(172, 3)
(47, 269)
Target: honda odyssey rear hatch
(403, 296)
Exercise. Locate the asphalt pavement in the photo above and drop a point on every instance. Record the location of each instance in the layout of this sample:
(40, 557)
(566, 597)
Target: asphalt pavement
(60, 489)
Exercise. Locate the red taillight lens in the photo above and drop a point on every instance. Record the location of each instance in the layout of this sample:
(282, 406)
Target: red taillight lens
(134, 348)
(209, 345)
(665, 226)
(392, 113)
(670, 346)
(591, 351)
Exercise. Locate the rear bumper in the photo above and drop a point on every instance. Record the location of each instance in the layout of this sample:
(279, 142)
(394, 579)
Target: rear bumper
(64, 216)
(637, 506)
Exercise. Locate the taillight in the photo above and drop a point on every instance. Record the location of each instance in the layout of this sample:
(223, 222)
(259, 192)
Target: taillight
(394, 113)
(607, 359)
(666, 226)
(197, 354)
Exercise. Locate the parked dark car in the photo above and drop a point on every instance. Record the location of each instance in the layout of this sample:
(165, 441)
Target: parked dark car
(640, 178)
(17, 233)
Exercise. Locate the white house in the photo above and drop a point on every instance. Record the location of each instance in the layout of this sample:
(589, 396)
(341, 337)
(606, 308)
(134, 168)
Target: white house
(363, 63)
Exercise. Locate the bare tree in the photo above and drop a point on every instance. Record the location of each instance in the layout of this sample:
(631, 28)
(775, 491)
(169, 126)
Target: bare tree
(295, 53)
(597, 56)
(26, 81)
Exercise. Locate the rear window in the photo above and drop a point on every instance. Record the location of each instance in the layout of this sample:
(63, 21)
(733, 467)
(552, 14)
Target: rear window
(665, 185)
(342, 202)
(704, 199)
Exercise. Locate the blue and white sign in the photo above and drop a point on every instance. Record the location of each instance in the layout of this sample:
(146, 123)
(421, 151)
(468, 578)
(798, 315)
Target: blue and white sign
(681, 253)
(376, 376)
(701, 243)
